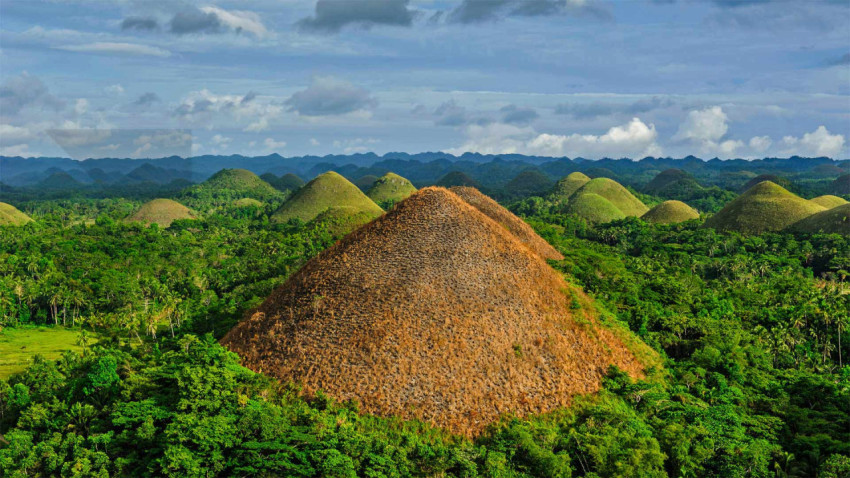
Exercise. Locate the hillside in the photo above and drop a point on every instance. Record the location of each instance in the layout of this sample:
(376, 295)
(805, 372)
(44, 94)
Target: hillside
(365, 182)
(457, 178)
(614, 192)
(666, 178)
(567, 186)
(162, 212)
(529, 182)
(764, 207)
(341, 220)
(594, 208)
(11, 216)
(778, 180)
(433, 319)
(325, 191)
(670, 212)
(841, 185)
(828, 201)
(390, 188)
(831, 221)
(508, 220)
(227, 186)
(287, 182)
(60, 180)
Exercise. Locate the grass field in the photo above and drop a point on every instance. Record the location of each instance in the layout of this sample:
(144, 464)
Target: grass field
(19, 345)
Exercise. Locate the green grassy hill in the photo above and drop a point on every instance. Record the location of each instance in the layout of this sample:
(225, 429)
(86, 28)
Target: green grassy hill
(594, 208)
(567, 186)
(325, 191)
(670, 212)
(162, 212)
(778, 180)
(831, 221)
(227, 186)
(11, 216)
(247, 202)
(390, 188)
(764, 207)
(340, 220)
(828, 201)
(614, 192)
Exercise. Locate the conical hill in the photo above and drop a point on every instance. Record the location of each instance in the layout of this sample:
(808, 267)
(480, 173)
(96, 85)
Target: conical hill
(390, 188)
(567, 186)
(831, 221)
(325, 191)
(670, 212)
(508, 220)
(162, 212)
(614, 192)
(12, 216)
(436, 312)
(828, 201)
(594, 208)
(764, 207)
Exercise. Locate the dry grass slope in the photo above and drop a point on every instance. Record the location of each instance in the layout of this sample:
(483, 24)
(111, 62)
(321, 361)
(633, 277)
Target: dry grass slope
(670, 212)
(828, 201)
(508, 220)
(12, 216)
(831, 221)
(614, 192)
(325, 191)
(567, 186)
(764, 207)
(594, 208)
(162, 212)
(436, 312)
(390, 187)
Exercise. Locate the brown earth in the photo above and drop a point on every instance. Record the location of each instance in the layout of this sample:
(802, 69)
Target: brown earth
(435, 312)
(508, 220)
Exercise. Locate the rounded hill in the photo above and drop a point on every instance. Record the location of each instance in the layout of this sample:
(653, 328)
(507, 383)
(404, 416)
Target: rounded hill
(529, 182)
(390, 188)
(287, 182)
(450, 321)
(778, 180)
(162, 212)
(227, 186)
(764, 207)
(247, 202)
(593, 208)
(508, 220)
(614, 192)
(831, 221)
(325, 191)
(670, 212)
(666, 178)
(12, 216)
(567, 186)
(828, 201)
(457, 178)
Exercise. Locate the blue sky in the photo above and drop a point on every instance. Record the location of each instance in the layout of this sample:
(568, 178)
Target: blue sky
(590, 78)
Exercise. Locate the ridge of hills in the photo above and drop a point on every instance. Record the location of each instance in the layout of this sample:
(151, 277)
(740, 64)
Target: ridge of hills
(434, 311)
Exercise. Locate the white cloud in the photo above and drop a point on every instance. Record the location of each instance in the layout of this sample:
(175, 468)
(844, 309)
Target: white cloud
(760, 144)
(634, 139)
(703, 125)
(199, 107)
(357, 145)
(240, 21)
(271, 144)
(819, 142)
(314, 142)
(81, 106)
(114, 90)
(117, 48)
(11, 134)
(220, 140)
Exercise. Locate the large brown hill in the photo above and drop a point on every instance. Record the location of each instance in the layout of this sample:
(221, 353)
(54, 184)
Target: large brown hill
(436, 312)
(507, 219)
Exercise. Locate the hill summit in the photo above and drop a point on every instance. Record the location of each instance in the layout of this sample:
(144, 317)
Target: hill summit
(436, 312)
(831, 221)
(670, 212)
(325, 191)
(390, 188)
(828, 201)
(616, 194)
(227, 186)
(567, 186)
(12, 216)
(764, 207)
(162, 212)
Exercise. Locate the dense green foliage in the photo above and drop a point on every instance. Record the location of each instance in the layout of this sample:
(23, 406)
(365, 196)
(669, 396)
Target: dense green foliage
(753, 330)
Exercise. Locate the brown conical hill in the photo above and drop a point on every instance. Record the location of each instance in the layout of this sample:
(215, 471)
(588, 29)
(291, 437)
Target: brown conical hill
(162, 212)
(508, 220)
(435, 312)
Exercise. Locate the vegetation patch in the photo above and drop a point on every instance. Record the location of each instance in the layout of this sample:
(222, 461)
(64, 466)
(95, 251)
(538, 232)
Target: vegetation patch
(20, 345)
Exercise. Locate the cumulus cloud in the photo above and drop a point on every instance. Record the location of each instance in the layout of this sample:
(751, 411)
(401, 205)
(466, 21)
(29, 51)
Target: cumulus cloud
(327, 96)
(477, 11)
(199, 107)
(709, 124)
(819, 142)
(238, 21)
(26, 91)
(760, 144)
(598, 109)
(271, 144)
(333, 15)
(634, 139)
(519, 115)
(117, 48)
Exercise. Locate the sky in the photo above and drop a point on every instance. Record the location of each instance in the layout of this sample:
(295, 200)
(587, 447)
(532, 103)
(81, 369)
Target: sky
(575, 78)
